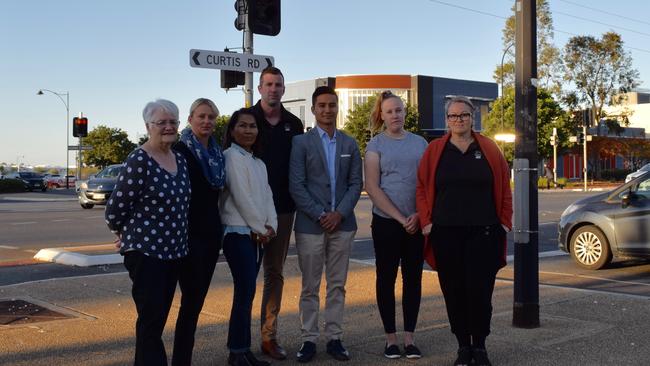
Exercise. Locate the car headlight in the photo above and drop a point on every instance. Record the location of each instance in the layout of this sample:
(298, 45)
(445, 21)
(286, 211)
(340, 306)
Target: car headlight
(83, 185)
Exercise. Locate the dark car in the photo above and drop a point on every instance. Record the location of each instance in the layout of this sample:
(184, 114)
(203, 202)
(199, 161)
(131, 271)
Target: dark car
(31, 180)
(97, 189)
(615, 223)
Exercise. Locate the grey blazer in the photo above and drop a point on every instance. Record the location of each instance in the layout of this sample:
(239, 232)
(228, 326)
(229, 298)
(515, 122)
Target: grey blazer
(309, 182)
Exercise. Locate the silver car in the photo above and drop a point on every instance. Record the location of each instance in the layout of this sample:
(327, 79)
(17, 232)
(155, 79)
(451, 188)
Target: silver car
(643, 169)
(615, 223)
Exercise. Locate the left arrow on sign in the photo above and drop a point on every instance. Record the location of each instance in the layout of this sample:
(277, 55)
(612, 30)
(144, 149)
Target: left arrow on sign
(196, 58)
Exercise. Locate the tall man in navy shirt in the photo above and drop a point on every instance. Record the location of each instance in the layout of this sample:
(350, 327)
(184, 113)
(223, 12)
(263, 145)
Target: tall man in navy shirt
(277, 128)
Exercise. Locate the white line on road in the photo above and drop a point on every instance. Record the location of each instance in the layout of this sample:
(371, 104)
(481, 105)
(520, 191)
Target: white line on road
(24, 223)
(594, 278)
(61, 220)
(94, 217)
(8, 247)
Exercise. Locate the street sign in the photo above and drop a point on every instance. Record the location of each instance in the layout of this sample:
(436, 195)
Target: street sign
(77, 147)
(229, 61)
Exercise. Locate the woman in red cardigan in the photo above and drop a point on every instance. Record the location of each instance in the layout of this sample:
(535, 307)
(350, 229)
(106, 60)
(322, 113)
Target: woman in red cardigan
(464, 204)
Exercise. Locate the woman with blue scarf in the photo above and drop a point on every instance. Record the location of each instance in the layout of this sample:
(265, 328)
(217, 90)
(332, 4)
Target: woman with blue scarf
(207, 176)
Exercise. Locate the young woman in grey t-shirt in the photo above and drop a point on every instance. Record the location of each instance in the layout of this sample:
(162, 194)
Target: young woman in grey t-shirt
(391, 165)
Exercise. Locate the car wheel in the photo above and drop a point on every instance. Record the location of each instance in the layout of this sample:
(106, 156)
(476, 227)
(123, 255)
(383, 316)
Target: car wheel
(87, 206)
(589, 248)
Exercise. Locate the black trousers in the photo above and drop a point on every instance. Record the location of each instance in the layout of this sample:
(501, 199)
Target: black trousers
(154, 283)
(395, 247)
(195, 274)
(467, 261)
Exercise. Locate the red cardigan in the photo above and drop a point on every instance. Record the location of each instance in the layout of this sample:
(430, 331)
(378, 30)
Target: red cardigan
(426, 186)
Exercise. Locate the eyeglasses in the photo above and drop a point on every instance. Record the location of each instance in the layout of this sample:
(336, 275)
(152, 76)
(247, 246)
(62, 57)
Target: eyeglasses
(386, 94)
(457, 117)
(166, 122)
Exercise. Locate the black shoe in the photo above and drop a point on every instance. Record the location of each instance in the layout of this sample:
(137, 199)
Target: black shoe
(480, 357)
(307, 352)
(392, 351)
(335, 349)
(245, 359)
(412, 352)
(464, 356)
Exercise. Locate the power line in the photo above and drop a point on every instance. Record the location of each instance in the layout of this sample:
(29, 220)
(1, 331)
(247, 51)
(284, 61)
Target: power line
(555, 29)
(601, 23)
(605, 12)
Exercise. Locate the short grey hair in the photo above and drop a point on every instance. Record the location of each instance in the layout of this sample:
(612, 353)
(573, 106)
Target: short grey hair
(459, 99)
(204, 101)
(159, 104)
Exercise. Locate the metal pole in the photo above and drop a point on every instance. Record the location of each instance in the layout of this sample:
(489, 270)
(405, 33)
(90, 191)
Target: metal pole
(584, 154)
(67, 139)
(248, 77)
(526, 235)
(502, 79)
(555, 157)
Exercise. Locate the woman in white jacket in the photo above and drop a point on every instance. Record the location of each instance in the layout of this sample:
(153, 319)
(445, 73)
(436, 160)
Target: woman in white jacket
(249, 219)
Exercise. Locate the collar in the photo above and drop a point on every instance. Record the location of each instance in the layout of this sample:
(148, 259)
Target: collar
(240, 149)
(322, 133)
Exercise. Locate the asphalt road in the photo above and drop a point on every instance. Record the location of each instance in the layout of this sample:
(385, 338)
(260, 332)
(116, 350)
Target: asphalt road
(32, 221)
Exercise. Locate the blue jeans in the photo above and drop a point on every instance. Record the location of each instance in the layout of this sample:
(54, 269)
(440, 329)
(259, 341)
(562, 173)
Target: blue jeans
(244, 259)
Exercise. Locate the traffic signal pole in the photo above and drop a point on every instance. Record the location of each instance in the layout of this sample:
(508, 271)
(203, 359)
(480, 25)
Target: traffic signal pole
(526, 235)
(248, 80)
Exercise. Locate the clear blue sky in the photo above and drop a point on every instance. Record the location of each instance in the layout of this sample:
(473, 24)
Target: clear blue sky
(114, 56)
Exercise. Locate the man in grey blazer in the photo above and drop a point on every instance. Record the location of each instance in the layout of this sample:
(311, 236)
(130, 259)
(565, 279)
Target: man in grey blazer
(325, 182)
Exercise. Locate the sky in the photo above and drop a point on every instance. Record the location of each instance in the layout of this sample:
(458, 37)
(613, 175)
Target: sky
(113, 57)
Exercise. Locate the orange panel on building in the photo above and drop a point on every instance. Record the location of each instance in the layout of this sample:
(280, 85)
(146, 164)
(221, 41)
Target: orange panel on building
(373, 82)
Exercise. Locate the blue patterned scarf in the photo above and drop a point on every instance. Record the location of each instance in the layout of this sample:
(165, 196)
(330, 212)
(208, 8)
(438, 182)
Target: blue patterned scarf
(210, 159)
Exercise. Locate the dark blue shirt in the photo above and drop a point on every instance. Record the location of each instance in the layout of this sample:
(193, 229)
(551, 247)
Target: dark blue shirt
(149, 207)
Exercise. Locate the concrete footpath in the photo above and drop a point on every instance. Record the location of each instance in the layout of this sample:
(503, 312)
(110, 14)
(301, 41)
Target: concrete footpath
(577, 327)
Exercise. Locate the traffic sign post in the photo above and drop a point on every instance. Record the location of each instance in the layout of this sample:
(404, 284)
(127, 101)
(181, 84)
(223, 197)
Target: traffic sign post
(229, 61)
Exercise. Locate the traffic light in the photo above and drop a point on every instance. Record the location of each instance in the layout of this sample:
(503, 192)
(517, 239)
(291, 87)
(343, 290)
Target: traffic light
(80, 127)
(231, 79)
(264, 17)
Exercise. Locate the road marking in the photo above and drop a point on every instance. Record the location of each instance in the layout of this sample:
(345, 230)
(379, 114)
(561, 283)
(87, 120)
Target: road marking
(8, 247)
(61, 220)
(24, 223)
(553, 253)
(594, 278)
(94, 217)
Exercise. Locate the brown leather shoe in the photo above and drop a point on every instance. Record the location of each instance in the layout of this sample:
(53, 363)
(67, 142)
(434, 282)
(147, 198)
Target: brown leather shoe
(273, 350)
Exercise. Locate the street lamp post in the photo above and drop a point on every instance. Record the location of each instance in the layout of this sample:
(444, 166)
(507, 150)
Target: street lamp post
(66, 102)
(502, 77)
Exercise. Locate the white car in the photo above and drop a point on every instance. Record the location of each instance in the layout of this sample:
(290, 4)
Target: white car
(645, 168)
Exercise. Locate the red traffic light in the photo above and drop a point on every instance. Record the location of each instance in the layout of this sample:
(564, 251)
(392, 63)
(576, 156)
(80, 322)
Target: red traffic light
(80, 127)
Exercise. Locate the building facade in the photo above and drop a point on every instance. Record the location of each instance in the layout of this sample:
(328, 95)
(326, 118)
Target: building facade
(427, 93)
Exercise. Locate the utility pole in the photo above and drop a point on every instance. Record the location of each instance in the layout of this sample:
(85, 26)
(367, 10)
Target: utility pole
(526, 235)
(584, 154)
(555, 142)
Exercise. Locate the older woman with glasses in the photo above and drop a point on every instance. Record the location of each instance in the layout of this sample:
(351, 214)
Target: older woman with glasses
(206, 164)
(148, 212)
(391, 164)
(464, 204)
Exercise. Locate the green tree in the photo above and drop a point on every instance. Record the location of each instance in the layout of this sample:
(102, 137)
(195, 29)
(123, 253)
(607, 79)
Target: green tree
(548, 56)
(600, 71)
(357, 123)
(110, 146)
(549, 115)
(220, 129)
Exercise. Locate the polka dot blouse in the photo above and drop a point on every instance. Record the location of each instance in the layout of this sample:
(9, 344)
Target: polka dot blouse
(149, 207)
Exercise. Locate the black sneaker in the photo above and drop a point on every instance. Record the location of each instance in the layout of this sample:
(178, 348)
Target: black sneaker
(412, 352)
(392, 351)
(335, 349)
(307, 352)
(464, 356)
(480, 357)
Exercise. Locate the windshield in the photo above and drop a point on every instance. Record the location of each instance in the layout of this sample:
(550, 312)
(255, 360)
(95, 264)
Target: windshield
(645, 168)
(29, 175)
(110, 172)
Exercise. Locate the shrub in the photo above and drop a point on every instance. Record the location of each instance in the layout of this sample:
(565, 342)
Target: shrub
(11, 186)
(614, 174)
